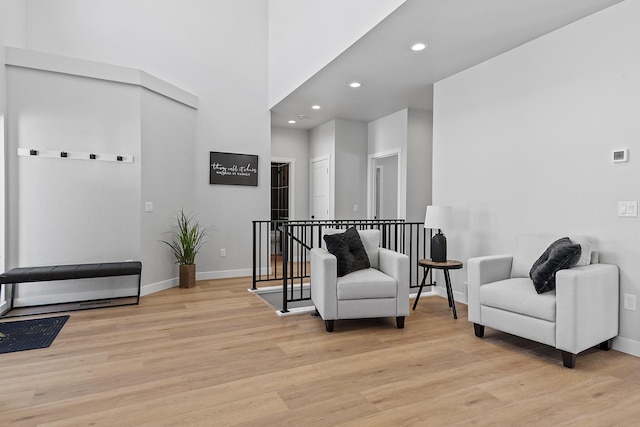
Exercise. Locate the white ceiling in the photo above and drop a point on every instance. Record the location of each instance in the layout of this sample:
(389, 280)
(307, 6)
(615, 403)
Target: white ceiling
(460, 34)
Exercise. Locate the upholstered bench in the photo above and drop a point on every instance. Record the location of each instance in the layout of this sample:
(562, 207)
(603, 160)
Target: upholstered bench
(20, 275)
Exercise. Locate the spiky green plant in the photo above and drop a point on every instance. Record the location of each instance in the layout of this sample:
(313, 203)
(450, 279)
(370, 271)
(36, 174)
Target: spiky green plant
(188, 238)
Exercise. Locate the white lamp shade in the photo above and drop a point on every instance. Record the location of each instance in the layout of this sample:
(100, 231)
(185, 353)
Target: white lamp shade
(438, 217)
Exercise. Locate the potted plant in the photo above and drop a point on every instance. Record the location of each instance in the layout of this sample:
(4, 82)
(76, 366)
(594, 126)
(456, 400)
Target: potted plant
(188, 237)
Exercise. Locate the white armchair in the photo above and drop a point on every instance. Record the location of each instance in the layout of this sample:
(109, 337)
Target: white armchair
(580, 313)
(379, 291)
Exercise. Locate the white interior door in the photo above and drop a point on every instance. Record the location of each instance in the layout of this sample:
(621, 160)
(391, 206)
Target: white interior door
(320, 189)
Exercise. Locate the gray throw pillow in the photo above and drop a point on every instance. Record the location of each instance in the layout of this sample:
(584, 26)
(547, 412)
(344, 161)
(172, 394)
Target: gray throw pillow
(349, 251)
(562, 253)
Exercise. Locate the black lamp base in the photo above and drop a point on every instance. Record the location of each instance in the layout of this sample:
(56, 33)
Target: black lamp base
(439, 248)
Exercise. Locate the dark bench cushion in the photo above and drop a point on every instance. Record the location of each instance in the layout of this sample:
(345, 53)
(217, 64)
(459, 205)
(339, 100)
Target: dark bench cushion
(68, 272)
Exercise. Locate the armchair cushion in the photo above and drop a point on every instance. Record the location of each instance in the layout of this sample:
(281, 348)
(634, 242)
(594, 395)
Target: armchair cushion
(560, 254)
(518, 296)
(348, 250)
(367, 283)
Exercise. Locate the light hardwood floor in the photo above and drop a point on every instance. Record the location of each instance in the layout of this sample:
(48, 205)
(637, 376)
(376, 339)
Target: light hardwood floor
(217, 355)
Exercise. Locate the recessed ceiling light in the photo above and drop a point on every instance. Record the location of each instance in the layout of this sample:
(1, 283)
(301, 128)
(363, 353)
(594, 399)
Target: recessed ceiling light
(355, 84)
(291, 122)
(417, 47)
(315, 107)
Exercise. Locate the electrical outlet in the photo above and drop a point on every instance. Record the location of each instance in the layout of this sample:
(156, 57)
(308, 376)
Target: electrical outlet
(223, 252)
(630, 302)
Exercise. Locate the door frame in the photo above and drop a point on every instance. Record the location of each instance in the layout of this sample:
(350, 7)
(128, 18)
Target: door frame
(292, 182)
(371, 182)
(326, 157)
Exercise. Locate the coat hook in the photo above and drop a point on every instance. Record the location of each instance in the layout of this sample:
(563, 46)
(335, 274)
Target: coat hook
(119, 158)
(33, 152)
(63, 154)
(92, 156)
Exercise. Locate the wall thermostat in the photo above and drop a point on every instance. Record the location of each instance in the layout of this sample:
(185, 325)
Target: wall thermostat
(620, 155)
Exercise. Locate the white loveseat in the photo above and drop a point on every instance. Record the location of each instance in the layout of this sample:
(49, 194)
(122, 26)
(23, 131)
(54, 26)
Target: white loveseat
(580, 313)
(379, 291)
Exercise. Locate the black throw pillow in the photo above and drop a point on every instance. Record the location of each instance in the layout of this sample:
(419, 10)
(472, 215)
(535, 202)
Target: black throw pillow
(349, 250)
(562, 253)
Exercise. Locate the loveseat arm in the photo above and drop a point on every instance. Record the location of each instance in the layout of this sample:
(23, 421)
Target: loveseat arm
(480, 271)
(396, 265)
(587, 304)
(324, 283)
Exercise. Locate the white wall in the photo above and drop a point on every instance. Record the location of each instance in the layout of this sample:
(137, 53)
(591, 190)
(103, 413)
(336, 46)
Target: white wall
(214, 49)
(523, 143)
(68, 211)
(167, 181)
(12, 31)
(351, 170)
(345, 142)
(419, 163)
(322, 142)
(304, 36)
(410, 132)
(294, 144)
(78, 210)
(65, 211)
(389, 134)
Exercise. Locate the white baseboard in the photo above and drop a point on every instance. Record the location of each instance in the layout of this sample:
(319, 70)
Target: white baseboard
(626, 345)
(152, 288)
(424, 294)
(224, 274)
(207, 275)
(460, 297)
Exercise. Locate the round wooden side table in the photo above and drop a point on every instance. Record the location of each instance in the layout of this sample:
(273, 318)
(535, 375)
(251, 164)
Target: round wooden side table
(428, 265)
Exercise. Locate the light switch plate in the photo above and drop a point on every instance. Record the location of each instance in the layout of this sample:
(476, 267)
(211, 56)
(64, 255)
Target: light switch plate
(148, 206)
(628, 209)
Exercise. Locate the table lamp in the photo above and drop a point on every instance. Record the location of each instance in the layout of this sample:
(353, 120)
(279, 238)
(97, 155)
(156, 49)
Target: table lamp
(438, 217)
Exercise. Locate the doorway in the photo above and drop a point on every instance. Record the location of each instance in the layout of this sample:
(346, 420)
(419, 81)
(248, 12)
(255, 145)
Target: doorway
(283, 178)
(386, 188)
(384, 183)
(279, 203)
(279, 191)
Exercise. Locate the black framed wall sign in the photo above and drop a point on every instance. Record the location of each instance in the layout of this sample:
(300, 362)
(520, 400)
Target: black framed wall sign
(233, 168)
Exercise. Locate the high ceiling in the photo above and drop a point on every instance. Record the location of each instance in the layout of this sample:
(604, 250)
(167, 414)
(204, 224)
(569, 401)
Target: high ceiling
(459, 34)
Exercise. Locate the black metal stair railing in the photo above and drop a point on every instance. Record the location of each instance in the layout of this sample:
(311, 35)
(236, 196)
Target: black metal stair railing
(281, 250)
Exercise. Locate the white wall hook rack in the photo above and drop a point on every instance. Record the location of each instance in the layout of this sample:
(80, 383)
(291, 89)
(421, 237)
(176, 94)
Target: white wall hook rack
(30, 152)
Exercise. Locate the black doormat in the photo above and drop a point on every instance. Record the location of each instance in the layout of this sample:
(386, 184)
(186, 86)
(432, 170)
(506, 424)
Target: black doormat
(29, 334)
